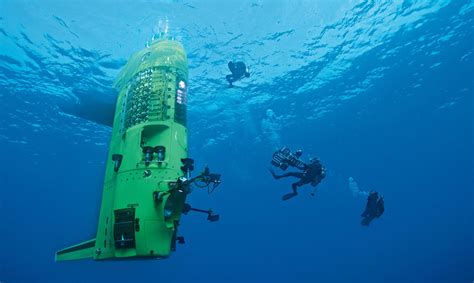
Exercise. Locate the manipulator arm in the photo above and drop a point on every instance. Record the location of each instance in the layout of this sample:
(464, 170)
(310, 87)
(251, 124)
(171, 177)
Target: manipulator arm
(210, 214)
(203, 180)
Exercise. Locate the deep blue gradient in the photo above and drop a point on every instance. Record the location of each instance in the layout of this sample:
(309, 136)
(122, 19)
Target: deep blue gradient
(381, 92)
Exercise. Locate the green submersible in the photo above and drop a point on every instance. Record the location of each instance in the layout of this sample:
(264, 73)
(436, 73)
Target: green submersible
(147, 174)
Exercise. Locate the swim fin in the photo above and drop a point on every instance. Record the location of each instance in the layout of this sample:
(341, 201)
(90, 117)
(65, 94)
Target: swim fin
(288, 196)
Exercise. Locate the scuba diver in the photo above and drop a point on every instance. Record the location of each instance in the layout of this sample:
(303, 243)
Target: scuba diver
(312, 173)
(374, 209)
(238, 70)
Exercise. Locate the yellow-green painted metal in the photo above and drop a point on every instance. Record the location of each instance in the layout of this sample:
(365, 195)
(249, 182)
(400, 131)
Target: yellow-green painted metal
(150, 112)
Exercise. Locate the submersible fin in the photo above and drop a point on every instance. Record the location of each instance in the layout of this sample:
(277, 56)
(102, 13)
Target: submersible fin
(93, 106)
(80, 251)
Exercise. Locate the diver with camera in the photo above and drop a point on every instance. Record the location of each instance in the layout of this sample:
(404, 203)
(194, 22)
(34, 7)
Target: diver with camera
(311, 173)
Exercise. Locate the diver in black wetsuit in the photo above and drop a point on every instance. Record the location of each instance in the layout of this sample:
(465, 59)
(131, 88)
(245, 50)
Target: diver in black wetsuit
(374, 209)
(313, 173)
(238, 70)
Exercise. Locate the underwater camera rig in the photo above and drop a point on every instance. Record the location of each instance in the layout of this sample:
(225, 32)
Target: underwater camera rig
(283, 158)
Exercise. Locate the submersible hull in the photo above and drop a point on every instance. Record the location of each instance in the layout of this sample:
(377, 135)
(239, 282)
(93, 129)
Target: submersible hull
(141, 202)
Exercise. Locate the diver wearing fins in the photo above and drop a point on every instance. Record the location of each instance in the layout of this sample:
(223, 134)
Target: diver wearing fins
(238, 70)
(374, 209)
(312, 173)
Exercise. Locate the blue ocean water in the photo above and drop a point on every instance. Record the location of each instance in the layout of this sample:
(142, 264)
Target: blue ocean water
(381, 91)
